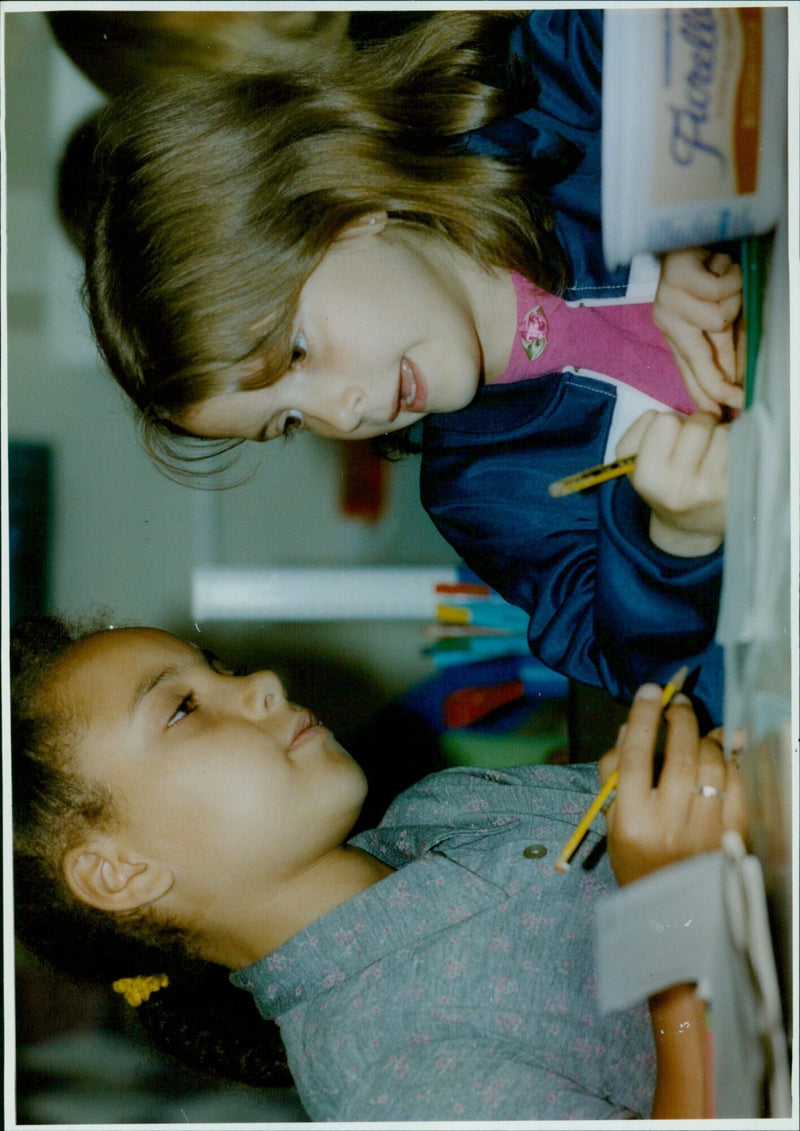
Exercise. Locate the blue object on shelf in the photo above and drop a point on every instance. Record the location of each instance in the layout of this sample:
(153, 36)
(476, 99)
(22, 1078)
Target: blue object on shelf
(540, 683)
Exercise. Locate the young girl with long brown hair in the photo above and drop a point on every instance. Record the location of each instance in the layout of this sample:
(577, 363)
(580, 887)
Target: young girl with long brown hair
(415, 237)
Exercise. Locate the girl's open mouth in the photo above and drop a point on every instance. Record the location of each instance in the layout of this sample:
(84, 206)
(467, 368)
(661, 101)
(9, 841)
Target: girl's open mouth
(413, 392)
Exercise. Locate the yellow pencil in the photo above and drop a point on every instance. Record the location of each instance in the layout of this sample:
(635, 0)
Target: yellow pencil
(670, 690)
(591, 476)
(569, 848)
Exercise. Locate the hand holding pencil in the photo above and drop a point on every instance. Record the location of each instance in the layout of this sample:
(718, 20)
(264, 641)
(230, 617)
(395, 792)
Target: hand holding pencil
(681, 472)
(610, 783)
(678, 465)
(697, 797)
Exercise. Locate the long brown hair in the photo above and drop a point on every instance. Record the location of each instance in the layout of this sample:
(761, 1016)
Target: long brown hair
(118, 49)
(220, 196)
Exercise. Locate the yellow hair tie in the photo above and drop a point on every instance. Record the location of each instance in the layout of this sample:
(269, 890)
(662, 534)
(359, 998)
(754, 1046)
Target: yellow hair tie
(136, 990)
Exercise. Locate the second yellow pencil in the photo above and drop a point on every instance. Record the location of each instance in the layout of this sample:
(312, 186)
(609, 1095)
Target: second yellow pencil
(591, 476)
(671, 688)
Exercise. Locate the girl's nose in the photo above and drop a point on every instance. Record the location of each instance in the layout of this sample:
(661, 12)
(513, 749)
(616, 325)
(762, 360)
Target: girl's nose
(261, 693)
(345, 410)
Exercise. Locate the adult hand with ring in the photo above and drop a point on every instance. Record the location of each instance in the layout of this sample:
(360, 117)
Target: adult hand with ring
(651, 826)
(709, 791)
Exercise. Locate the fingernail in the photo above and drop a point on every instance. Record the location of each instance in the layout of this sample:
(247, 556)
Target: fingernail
(679, 697)
(623, 730)
(649, 691)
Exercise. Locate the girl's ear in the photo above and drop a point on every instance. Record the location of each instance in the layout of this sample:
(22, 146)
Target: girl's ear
(98, 874)
(371, 223)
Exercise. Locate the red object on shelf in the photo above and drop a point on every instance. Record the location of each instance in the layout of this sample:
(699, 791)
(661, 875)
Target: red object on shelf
(364, 479)
(469, 704)
(465, 588)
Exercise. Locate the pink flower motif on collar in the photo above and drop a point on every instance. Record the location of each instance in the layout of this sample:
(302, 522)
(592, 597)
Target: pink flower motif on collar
(533, 332)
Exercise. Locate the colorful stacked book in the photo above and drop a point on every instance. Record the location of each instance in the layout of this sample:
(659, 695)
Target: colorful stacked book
(473, 622)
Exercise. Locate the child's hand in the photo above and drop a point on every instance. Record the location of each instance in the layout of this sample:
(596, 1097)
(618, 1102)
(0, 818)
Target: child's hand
(698, 796)
(698, 300)
(681, 473)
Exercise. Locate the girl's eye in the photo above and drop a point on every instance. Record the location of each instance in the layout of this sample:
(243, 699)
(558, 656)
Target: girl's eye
(293, 422)
(186, 706)
(299, 349)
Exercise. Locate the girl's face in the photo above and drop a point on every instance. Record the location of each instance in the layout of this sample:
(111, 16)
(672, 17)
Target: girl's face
(385, 332)
(215, 776)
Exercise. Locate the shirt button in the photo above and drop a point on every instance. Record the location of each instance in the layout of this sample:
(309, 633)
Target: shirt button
(534, 851)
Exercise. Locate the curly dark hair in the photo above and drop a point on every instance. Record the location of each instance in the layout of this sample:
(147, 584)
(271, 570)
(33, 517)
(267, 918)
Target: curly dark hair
(200, 1017)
